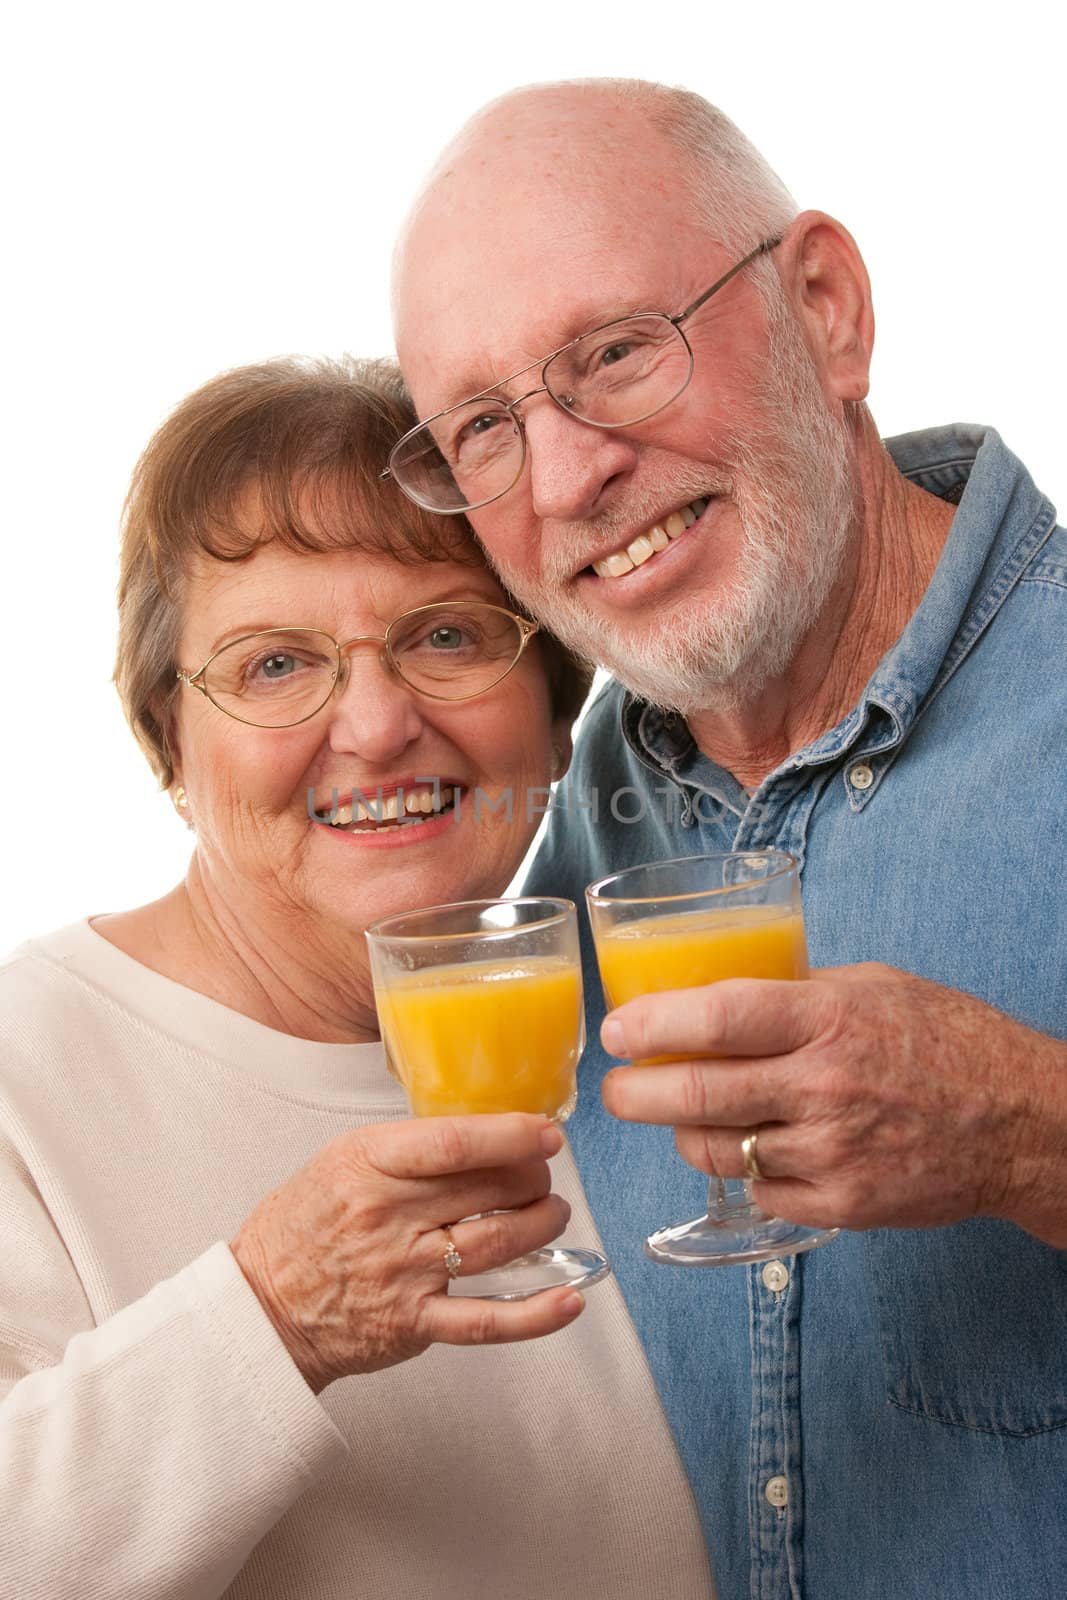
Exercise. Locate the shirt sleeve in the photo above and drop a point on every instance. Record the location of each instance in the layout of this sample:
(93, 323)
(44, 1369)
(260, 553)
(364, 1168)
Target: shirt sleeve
(147, 1456)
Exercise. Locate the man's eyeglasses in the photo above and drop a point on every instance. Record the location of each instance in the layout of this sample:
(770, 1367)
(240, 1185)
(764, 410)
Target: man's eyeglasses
(614, 376)
(283, 676)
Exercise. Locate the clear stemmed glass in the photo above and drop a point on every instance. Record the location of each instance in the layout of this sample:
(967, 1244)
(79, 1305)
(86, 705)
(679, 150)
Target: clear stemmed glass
(681, 924)
(481, 1010)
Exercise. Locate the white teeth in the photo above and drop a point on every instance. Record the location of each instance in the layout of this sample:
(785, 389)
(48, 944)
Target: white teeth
(647, 544)
(614, 566)
(388, 811)
(640, 550)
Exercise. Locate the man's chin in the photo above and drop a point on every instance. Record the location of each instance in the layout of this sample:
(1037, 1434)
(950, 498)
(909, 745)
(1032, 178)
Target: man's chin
(680, 660)
(681, 681)
(692, 697)
(676, 663)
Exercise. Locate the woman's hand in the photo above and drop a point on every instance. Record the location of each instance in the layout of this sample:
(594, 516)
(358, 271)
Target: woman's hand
(347, 1258)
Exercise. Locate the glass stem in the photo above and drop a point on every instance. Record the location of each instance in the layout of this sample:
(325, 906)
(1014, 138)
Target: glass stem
(729, 1198)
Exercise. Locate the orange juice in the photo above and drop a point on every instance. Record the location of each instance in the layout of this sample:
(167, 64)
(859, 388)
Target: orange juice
(485, 1035)
(690, 948)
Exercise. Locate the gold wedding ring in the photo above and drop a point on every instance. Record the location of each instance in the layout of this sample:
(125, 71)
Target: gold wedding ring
(749, 1157)
(453, 1259)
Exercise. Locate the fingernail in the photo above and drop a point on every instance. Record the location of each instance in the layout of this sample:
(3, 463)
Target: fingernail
(572, 1305)
(611, 1036)
(551, 1141)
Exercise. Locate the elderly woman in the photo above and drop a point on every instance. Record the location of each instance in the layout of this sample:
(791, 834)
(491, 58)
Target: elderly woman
(223, 1240)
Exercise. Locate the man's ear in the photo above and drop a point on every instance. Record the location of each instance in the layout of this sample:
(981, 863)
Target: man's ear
(827, 284)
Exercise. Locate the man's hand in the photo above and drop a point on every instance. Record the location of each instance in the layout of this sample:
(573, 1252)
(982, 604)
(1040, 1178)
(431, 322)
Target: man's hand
(881, 1100)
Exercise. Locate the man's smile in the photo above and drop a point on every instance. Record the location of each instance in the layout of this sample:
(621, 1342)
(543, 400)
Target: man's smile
(653, 539)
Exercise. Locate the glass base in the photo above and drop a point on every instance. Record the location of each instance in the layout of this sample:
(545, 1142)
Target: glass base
(732, 1238)
(527, 1275)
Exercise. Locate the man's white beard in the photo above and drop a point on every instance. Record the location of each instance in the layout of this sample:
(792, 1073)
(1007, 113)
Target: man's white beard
(791, 486)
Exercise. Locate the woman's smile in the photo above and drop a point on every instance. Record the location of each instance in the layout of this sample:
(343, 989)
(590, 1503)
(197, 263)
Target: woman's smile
(410, 813)
(379, 766)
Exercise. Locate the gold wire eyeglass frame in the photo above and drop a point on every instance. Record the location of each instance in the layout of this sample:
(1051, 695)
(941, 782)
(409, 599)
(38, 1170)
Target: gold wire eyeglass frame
(527, 629)
(543, 388)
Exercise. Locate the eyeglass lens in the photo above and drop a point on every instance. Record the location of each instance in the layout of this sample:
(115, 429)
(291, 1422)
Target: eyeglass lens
(614, 376)
(283, 676)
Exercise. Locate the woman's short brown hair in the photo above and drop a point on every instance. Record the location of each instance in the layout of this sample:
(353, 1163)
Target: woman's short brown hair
(309, 437)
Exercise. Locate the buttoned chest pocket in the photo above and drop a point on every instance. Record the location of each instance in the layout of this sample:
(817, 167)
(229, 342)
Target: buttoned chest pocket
(973, 1326)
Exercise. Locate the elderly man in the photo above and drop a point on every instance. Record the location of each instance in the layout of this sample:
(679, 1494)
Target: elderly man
(851, 651)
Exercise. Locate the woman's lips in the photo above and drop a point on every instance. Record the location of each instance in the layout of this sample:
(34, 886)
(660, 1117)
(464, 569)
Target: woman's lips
(393, 836)
(393, 829)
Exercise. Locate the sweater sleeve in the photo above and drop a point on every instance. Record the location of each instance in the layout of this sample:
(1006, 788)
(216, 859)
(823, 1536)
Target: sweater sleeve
(148, 1455)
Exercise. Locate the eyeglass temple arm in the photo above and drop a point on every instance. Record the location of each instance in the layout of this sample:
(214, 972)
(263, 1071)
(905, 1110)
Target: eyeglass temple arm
(760, 250)
(191, 678)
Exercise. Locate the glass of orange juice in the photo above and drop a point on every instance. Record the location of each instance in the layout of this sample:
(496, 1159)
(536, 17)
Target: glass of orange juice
(481, 1010)
(682, 924)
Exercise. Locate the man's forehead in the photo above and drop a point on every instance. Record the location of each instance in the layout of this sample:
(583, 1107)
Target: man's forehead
(493, 276)
(490, 356)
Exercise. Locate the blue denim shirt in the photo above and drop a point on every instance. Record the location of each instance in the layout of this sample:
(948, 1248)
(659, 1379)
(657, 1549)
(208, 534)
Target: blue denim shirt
(910, 1387)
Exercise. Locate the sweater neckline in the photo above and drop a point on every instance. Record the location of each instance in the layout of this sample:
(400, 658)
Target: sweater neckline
(305, 1067)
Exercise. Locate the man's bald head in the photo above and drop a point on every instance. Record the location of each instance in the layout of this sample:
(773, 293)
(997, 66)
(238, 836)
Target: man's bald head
(587, 132)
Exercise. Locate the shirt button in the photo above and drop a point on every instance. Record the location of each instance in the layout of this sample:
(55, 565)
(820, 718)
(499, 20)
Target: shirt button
(861, 776)
(777, 1492)
(775, 1276)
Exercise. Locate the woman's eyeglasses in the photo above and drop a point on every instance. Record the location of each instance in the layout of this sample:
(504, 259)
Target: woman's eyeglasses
(282, 676)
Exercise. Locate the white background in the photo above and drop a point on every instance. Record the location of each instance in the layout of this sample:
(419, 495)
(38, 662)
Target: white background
(195, 186)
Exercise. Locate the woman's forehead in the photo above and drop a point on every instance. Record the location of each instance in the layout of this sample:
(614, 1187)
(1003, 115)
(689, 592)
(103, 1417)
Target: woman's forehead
(333, 590)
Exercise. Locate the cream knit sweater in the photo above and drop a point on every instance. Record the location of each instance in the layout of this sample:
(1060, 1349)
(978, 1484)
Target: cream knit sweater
(156, 1440)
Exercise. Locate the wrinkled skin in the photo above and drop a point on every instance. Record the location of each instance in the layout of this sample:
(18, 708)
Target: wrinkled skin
(881, 1100)
(347, 1257)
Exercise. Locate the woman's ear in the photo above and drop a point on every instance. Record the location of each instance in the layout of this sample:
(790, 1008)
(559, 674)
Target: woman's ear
(180, 800)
